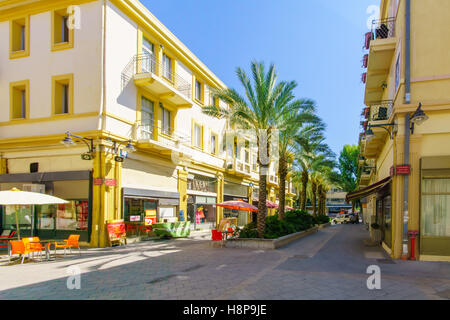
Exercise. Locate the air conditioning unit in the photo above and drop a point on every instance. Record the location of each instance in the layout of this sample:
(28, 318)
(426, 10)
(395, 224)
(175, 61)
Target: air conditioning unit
(38, 188)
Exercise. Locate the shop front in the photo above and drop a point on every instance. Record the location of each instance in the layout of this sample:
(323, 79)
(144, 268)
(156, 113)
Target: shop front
(142, 208)
(384, 214)
(242, 217)
(51, 221)
(201, 203)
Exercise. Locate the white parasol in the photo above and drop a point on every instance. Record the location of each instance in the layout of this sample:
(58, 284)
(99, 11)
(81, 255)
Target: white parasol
(18, 198)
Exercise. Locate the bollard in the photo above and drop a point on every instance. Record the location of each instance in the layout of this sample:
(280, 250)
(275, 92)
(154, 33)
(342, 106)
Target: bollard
(413, 234)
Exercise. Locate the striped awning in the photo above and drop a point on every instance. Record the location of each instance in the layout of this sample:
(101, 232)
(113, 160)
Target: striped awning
(367, 191)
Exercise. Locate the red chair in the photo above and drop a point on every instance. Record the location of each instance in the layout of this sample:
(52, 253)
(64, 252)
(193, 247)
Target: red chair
(216, 235)
(6, 236)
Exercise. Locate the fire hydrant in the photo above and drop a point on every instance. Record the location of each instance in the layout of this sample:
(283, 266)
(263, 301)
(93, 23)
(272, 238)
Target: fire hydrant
(413, 234)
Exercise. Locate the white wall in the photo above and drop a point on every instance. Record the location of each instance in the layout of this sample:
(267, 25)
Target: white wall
(83, 61)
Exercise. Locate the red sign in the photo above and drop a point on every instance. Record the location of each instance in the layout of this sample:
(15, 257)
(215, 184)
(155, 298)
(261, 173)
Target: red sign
(98, 181)
(392, 171)
(403, 170)
(110, 182)
(116, 230)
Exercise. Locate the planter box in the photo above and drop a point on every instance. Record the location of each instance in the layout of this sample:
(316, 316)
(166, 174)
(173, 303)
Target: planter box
(269, 244)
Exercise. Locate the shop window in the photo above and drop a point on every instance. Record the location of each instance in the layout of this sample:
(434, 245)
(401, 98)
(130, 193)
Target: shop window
(19, 100)
(62, 94)
(435, 214)
(62, 35)
(72, 216)
(24, 219)
(19, 41)
(165, 120)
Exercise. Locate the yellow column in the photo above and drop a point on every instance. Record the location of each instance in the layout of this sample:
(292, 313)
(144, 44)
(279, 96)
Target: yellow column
(397, 197)
(414, 188)
(219, 188)
(3, 166)
(250, 200)
(182, 189)
(107, 204)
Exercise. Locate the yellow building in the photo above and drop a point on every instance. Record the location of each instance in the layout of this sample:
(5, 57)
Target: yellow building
(406, 154)
(108, 78)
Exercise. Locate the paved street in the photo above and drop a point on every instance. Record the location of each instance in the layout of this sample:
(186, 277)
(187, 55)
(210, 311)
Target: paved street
(330, 264)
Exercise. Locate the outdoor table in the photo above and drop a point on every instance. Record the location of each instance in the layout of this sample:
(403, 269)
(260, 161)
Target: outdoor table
(46, 244)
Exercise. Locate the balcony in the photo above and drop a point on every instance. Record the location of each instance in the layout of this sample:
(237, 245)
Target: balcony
(148, 73)
(152, 136)
(380, 112)
(381, 52)
(379, 115)
(272, 180)
(238, 167)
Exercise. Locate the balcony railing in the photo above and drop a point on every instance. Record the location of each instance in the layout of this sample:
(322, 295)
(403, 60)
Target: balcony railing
(381, 111)
(383, 29)
(165, 136)
(144, 64)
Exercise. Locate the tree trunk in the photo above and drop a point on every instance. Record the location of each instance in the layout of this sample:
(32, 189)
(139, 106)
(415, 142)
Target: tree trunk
(282, 173)
(304, 186)
(320, 193)
(262, 205)
(314, 197)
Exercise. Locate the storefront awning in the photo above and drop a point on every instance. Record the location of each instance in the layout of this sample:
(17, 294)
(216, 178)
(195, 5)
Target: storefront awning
(367, 191)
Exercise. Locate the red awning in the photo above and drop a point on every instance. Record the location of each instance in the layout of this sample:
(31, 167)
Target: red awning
(367, 191)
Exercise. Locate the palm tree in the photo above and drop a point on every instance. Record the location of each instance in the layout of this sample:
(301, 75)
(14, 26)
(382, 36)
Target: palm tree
(260, 110)
(289, 130)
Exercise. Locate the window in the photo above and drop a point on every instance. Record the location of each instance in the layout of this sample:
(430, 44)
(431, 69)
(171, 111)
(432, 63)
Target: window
(167, 67)
(147, 118)
(148, 50)
(255, 162)
(19, 100)
(62, 100)
(165, 120)
(19, 38)
(397, 73)
(62, 35)
(198, 91)
(435, 215)
(213, 144)
(198, 136)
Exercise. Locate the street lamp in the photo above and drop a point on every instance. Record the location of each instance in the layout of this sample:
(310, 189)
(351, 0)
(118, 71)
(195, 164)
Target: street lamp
(129, 147)
(68, 142)
(418, 118)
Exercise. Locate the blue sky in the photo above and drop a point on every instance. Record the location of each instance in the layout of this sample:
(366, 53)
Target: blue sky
(316, 43)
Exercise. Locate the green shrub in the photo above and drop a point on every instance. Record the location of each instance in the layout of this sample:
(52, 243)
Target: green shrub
(321, 219)
(295, 221)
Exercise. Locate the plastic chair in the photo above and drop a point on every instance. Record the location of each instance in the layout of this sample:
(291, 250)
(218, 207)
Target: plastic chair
(71, 242)
(32, 246)
(18, 247)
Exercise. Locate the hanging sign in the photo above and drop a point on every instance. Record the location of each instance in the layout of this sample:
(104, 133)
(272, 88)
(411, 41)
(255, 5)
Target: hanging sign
(110, 182)
(403, 170)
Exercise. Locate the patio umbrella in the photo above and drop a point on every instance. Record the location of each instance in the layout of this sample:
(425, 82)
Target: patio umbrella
(271, 205)
(238, 205)
(289, 208)
(17, 198)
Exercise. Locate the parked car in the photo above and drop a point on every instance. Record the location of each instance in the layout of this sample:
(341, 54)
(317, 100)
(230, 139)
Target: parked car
(342, 219)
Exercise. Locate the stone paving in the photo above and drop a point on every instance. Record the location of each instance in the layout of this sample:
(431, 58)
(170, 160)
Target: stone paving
(330, 264)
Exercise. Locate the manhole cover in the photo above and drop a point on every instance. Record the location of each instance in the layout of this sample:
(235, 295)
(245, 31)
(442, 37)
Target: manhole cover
(386, 261)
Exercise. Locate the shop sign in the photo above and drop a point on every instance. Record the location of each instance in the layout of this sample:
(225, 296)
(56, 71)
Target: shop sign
(116, 230)
(150, 217)
(98, 181)
(403, 170)
(110, 182)
(135, 218)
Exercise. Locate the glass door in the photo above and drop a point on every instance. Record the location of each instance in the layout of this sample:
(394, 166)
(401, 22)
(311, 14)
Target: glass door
(148, 51)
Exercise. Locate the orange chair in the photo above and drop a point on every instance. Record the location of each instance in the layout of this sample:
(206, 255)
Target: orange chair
(71, 242)
(32, 245)
(18, 247)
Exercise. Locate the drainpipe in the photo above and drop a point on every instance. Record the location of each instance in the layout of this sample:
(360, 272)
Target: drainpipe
(407, 126)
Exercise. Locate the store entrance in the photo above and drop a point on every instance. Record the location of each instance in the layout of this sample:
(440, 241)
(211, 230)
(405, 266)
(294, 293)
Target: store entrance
(201, 212)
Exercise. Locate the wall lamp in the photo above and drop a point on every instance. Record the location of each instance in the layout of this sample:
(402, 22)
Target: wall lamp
(370, 134)
(129, 147)
(68, 142)
(418, 118)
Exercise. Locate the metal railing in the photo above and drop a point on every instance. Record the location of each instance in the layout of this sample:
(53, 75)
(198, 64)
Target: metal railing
(145, 63)
(383, 29)
(381, 111)
(146, 130)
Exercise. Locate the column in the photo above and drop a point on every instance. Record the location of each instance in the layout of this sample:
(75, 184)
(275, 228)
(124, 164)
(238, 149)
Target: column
(107, 202)
(182, 189)
(3, 166)
(219, 190)
(250, 200)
